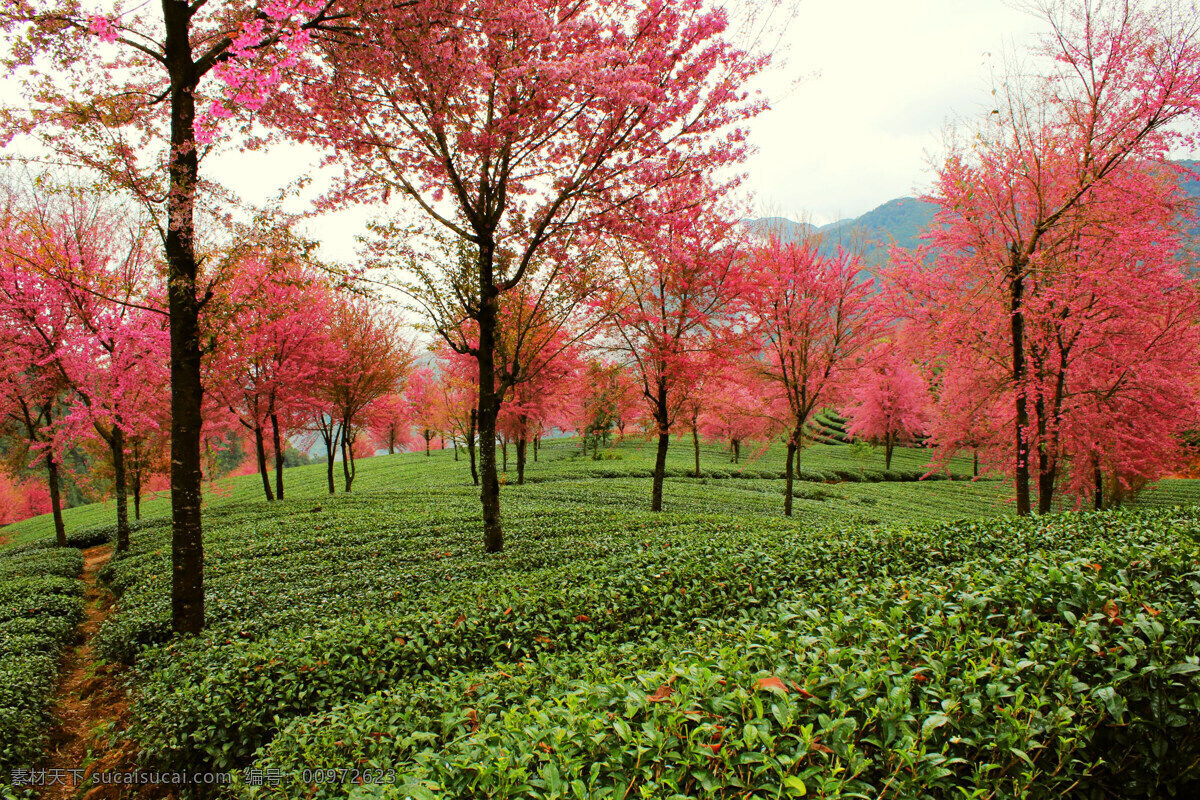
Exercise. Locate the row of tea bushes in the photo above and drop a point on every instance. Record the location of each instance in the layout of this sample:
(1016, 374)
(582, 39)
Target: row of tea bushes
(41, 603)
(1069, 669)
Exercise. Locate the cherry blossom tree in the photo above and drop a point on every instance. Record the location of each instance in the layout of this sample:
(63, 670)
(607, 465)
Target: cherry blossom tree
(813, 318)
(887, 401)
(371, 361)
(510, 124)
(271, 345)
(673, 306)
(1119, 75)
(117, 93)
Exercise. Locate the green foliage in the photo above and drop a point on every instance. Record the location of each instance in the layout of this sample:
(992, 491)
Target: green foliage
(40, 605)
(1030, 659)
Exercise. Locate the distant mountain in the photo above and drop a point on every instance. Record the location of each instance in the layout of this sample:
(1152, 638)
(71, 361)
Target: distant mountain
(902, 221)
(898, 221)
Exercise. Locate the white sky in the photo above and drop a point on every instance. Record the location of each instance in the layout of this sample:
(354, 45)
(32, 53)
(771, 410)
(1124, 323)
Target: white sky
(858, 105)
(873, 83)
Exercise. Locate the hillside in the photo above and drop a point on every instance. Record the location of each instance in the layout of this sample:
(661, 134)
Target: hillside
(902, 221)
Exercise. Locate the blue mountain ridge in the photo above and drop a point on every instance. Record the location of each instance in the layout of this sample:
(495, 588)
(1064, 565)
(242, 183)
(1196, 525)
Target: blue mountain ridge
(902, 221)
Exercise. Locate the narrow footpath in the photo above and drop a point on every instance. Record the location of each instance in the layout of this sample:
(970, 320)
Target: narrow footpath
(89, 698)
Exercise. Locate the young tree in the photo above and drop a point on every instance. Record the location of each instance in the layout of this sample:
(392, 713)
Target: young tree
(887, 401)
(268, 324)
(510, 124)
(371, 361)
(672, 307)
(32, 387)
(92, 259)
(117, 93)
(812, 317)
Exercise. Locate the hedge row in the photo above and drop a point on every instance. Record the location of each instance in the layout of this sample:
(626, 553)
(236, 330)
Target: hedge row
(41, 603)
(1069, 669)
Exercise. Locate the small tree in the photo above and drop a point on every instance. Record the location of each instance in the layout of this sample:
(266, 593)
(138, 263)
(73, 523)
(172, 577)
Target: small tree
(812, 316)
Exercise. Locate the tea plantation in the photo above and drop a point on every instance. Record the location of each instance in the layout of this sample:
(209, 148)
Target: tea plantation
(896, 638)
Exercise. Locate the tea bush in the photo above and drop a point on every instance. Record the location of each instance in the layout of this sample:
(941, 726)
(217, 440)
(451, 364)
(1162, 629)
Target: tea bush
(41, 604)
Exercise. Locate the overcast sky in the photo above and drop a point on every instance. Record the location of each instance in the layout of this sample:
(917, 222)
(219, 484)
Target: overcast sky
(866, 92)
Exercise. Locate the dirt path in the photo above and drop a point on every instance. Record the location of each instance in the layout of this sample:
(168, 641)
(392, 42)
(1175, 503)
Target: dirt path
(89, 698)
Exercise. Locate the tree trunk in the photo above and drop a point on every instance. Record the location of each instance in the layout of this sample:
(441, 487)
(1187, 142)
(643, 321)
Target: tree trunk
(117, 447)
(60, 529)
(887, 451)
(537, 441)
(504, 451)
(456, 451)
(471, 446)
(696, 446)
(328, 436)
(260, 454)
(1099, 479)
(428, 435)
(348, 466)
(187, 543)
(521, 444)
(788, 479)
(489, 403)
(975, 463)
(277, 441)
(664, 441)
(136, 484)
(1021, 477)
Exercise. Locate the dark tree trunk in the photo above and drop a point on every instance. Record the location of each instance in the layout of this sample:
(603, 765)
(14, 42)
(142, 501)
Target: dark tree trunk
(537, 440)
(348, 465)
(456, 450)
(521, 444)
(664, 441)
(117, 447)
(1021, 476)
(428, 435)
(975, 463)
(187, 544)
(136, 484)
(660, 469)
(328, 435)
(277, 441)
(260, 454)
(887, 451)
(60, 529)
(489, 402)
(1099, 479)
(471, 446)
(504, 451)
(789, 479)
(696, 446)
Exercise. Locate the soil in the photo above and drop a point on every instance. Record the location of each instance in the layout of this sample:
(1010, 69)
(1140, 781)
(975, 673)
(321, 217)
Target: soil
(90, 706)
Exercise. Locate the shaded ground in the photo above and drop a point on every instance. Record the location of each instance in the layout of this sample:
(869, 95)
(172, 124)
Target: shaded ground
(90, 698)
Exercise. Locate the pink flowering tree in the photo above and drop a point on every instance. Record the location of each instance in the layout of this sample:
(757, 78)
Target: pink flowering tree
(887, 401)
(673, 306)
(510, 125)
(813, 320)
(1065, 158)
(119, 92)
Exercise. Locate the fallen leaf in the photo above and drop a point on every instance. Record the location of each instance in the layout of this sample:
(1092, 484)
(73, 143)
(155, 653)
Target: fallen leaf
(771, 684)
(661, 694)
(583, 618)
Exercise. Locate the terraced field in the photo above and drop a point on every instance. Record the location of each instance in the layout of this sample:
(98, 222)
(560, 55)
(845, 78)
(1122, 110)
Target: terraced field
(895, 638)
